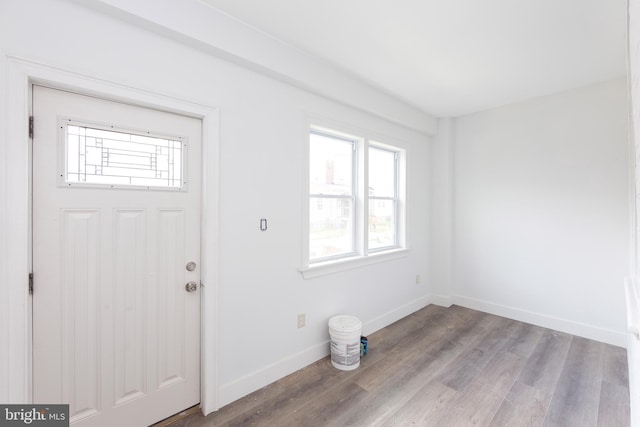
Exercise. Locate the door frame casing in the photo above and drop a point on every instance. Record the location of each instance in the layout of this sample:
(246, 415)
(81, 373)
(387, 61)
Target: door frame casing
(17, 75)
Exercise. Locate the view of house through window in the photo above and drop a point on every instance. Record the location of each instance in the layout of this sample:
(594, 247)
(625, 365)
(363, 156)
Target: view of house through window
(345, 220)
(332, 196)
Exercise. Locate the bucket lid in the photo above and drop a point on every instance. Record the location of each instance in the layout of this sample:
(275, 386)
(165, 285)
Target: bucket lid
(345, 323)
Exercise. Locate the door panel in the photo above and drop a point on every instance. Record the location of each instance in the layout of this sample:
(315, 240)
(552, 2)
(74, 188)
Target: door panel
(130, 304)
(116, 335)
(80, 287)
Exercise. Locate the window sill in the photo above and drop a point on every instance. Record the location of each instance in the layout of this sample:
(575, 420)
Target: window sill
(330, 267)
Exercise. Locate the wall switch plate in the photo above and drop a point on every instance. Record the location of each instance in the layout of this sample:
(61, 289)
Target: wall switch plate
(417, 279)
(301, 320)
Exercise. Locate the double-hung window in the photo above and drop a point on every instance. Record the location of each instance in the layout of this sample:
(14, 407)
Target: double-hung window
(356, 198)
(383, 198)
(332, 196)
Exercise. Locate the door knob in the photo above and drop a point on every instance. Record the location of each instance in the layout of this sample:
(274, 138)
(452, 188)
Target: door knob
(191, 286)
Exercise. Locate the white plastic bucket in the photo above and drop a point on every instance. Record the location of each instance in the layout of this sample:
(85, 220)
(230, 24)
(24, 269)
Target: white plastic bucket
(345, 332)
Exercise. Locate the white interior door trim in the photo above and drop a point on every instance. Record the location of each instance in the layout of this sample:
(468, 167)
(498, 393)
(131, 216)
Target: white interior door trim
(16, 77)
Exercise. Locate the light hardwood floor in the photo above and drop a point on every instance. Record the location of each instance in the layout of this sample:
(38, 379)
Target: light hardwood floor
(449, 367)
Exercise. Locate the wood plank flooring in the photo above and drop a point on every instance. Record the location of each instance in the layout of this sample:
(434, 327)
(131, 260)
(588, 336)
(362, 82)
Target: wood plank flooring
(449, 367)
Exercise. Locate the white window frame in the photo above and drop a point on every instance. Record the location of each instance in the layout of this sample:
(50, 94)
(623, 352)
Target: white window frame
(395, 198)
(353, 198)
(362, 255)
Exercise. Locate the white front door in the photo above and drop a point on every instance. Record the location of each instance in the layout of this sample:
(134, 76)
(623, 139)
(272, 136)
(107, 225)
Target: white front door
(116, 239)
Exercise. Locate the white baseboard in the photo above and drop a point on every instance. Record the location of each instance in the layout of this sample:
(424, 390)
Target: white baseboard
(249, 383)
(563, 325)
(256, 380)
(441, 300)
(389, 317)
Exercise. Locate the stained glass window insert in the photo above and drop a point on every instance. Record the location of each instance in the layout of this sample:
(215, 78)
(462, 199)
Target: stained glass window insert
(114, 158)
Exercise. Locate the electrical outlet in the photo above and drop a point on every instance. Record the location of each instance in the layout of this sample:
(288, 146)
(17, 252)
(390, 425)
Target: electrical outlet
(302, 319)
(417, 279)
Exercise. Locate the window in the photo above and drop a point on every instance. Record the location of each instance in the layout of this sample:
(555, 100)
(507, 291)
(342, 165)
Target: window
(383, 198)
(108, 157)
(355, 206)
(332, 196)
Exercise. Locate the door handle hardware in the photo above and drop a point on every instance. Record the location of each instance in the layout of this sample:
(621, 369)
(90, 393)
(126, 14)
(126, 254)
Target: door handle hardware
(191, 286)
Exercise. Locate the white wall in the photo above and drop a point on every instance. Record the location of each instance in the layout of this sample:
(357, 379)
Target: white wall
(441, 189)
(633, 303)
(262, 135)
(541, 211)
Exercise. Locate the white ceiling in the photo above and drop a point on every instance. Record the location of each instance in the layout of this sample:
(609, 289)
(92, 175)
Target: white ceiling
(453, 57)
